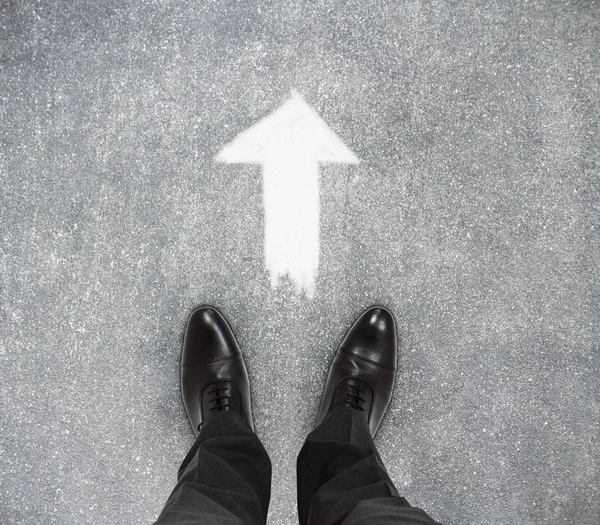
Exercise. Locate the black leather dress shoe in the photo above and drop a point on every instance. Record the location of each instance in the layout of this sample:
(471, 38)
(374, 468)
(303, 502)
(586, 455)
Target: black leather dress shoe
(363, 370)
(213, 373)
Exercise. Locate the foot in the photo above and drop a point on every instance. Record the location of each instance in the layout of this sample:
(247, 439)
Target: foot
(363, 370)
(213, 373)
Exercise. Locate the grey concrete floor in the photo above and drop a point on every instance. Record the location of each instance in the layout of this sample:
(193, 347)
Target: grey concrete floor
(473, 216)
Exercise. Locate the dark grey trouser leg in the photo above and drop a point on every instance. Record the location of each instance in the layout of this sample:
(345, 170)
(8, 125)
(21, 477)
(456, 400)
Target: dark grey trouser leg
(224, 480)
(342, 480)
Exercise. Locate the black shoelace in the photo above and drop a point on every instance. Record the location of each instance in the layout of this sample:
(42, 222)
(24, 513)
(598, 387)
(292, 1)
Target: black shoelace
(355, 397)
(221, 400)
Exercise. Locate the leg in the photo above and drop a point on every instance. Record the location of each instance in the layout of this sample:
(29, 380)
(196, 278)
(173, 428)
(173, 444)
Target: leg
(341, 478)
(225, 479)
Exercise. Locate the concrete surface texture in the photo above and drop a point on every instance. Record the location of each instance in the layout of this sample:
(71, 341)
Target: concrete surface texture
(473, 215)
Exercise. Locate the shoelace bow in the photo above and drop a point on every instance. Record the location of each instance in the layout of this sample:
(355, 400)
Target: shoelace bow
(221, 401)
(355, 397)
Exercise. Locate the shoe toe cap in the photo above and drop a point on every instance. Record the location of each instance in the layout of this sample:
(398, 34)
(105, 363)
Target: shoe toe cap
(373, 337)
(208, 338)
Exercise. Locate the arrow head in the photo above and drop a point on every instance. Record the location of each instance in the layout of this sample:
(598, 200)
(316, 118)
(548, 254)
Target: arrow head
(293, 131)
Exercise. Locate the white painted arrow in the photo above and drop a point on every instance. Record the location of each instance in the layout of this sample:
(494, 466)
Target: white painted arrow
(289, 144)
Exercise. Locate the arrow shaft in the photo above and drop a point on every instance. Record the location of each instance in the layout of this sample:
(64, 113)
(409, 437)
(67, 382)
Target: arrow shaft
(291, 211)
